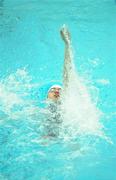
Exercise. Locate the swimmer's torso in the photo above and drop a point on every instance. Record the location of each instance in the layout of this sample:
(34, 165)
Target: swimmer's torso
(53, 120)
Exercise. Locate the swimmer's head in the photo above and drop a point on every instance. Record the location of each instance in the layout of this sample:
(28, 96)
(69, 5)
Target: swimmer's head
(54, 92)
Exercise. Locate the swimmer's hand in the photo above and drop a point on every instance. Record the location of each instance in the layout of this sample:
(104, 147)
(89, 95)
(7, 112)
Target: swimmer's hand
(65, 35)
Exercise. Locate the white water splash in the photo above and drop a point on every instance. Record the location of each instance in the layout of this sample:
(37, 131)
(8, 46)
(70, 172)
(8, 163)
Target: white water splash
(80, 113)
(15, 94)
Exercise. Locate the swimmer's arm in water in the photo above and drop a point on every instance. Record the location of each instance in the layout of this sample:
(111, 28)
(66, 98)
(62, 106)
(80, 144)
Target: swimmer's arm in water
(68, 64)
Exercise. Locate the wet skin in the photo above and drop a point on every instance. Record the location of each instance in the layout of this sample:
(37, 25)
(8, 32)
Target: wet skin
(54, 93)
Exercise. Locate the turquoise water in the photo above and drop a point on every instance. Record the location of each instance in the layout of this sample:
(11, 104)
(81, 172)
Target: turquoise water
(31, 54)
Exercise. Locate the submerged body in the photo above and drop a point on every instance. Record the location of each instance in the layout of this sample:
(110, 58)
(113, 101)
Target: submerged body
(53, 120)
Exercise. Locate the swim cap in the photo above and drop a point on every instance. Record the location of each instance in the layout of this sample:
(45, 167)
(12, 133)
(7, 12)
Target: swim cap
(55, 86)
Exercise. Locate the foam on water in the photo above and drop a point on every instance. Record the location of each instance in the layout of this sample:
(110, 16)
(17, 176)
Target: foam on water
(16, 94)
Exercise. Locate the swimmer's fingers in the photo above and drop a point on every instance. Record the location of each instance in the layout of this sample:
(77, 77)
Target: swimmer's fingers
(65, 34)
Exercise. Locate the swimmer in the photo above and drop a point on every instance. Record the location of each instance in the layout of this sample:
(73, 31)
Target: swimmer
(54, 93)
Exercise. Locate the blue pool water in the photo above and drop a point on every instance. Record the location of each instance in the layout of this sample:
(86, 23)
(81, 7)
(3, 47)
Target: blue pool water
(32, 54)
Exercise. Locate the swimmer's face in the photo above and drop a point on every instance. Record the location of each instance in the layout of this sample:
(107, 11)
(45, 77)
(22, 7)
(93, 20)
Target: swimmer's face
(54, 93)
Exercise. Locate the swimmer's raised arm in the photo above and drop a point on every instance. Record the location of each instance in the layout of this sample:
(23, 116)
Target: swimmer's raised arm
(65, 35)
(68, 59)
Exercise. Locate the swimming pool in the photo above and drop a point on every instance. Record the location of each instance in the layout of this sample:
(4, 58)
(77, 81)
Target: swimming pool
(31, 54)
